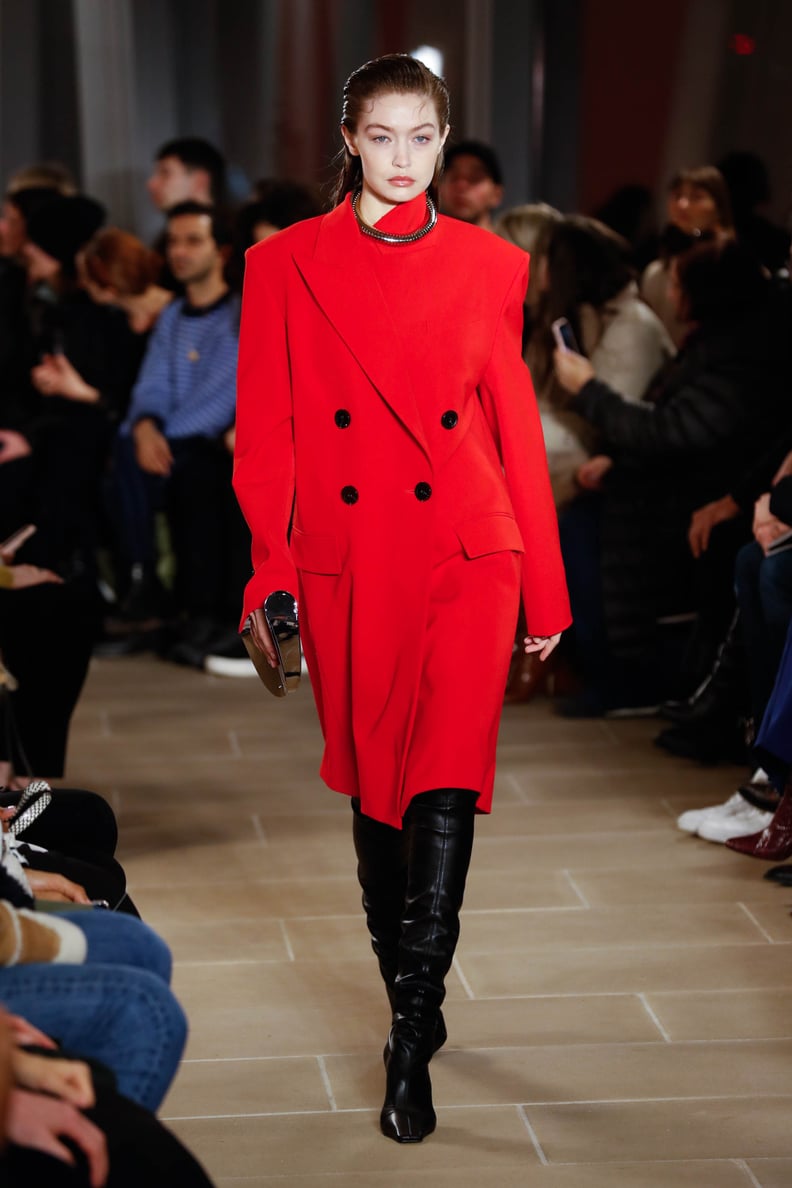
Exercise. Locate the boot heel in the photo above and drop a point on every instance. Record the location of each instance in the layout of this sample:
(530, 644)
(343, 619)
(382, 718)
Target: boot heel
(407, 1114)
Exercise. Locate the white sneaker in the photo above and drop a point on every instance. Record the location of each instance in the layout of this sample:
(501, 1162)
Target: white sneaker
(689, 822)
(741, 824)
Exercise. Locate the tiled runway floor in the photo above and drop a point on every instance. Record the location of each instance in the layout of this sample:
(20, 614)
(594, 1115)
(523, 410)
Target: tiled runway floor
(620, 1012)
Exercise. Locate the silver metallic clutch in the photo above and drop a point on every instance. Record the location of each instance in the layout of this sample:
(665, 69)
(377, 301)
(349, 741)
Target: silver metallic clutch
(280, 613)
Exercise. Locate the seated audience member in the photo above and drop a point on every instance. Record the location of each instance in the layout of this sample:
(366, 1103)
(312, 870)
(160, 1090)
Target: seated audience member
(698, 204)
(63, 1122)
(763, 577)
(529, 228)
(471, 185)
(118, 270)
(629, 211)
(48, 175)
(704, 415)
(746, 176)
(174, 449)
(18, 206)
(78, 387)
(773, 840)
(278, 204)
(587, 278)
(97, 980)
(42, 694)
(187, 170)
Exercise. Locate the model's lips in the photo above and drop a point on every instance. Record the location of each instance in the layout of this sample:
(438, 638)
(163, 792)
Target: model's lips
(402, 181)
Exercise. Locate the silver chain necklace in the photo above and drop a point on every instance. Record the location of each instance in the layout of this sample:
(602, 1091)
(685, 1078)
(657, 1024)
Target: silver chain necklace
(384, 236)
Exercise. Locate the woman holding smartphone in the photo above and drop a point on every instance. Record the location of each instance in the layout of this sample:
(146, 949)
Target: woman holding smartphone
(384, 402)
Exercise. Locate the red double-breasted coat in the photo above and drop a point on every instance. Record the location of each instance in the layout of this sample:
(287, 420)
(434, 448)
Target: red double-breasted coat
(383, 398)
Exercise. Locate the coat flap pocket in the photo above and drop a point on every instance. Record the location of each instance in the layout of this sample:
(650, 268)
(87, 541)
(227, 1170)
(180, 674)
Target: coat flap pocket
(490, 534)
(315, 552)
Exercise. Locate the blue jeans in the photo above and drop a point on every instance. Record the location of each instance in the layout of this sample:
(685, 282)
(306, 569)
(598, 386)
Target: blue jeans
(764, 596)
(116, 1008)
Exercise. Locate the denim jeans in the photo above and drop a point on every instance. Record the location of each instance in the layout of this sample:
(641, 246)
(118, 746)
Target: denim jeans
(116, 1008)
(764, 596)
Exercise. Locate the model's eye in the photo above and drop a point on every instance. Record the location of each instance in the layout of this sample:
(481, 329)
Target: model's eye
(379, 139)
(423, 139)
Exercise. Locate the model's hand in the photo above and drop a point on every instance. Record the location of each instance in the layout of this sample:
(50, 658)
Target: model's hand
(151, 449)
(25, 576)
(13, 445)
(70, 1080)
(262, 638)
(229, 439)
(591, 473)
(41, 1122)
(704, 520)
(572, 370)
(45, 884)
(543, 644)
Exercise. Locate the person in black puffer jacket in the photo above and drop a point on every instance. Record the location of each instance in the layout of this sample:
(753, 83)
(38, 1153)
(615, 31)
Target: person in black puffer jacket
(705, 416)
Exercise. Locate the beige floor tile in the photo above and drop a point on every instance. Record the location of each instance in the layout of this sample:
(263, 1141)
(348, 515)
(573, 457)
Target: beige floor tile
(618, 971)
(699, 1174)
(608, 814)
(574, 1019)
(632, 850)
(227, 939)
(772, 1173)
(772, 915)
(488, 890)
(285, 1009)
(727, 883)
(576, 1073)
(254, 900)
(206, 1088)
(340, 1143)
(725, 1014)
(657, 924)
(711, 1128)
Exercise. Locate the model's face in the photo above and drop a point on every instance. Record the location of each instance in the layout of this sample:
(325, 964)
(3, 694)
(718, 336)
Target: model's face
(13, 231)
(40, 266)
(467, 191)
(398, 140)
(692, 209)
(172, 182)
(191, 250)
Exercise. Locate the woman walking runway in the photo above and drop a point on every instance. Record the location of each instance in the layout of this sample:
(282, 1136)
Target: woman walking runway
(384, 404)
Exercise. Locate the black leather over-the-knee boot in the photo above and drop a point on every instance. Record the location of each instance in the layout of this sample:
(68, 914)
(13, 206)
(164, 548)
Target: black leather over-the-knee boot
(382, 873)
(439, 834)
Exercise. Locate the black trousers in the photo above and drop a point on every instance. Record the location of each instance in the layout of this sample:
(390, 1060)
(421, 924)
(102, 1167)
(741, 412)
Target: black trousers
(46, 635)
(141, 1151)
(210, 539)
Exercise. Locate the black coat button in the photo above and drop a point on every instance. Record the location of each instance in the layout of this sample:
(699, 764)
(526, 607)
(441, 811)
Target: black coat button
(450, 419)
(350, 494)
(423, 492)
(343, 419)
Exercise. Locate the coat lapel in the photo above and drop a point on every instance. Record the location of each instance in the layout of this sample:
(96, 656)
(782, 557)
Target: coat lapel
(341, 274)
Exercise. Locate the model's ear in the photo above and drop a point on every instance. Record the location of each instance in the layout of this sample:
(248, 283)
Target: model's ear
(444, 136)
(349, 141)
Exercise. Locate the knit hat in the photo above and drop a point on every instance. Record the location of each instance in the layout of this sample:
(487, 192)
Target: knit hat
(64, 225)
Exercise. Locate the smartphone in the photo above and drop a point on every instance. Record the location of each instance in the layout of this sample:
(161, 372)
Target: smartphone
(17, 539)
(565, 336)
